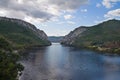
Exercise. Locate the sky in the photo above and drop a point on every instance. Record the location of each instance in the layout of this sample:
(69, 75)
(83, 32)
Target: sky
(59, 17)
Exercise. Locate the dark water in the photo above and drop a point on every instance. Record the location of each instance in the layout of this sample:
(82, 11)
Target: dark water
(58, 62)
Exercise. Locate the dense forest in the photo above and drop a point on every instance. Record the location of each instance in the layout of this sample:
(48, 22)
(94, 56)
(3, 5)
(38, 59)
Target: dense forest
(15, 36)
(9, 66)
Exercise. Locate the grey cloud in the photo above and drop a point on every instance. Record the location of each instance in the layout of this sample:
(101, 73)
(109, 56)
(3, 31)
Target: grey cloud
(68, 4)
(41, 14)
(4, 2)
(39, 8)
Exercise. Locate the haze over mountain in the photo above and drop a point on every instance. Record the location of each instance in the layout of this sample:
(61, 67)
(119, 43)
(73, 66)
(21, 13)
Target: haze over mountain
(55, 38)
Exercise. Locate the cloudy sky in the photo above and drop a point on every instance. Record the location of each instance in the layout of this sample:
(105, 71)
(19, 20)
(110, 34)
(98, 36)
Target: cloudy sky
(59, 17)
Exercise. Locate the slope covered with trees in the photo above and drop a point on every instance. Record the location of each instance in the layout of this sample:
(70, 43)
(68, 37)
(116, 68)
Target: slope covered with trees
(21, 33)
(9, 67)
(103, 37)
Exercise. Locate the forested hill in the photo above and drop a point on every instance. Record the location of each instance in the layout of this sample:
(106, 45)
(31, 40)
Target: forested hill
(21, 33)
(103, 37)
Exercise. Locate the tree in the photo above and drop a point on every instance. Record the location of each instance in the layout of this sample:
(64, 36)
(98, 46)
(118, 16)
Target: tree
(9, 67)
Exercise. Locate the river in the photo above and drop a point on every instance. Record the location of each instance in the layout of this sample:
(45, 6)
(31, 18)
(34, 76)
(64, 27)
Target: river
(58, 62)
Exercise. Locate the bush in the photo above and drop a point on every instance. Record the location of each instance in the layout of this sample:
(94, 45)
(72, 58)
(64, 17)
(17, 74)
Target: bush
(9, 67)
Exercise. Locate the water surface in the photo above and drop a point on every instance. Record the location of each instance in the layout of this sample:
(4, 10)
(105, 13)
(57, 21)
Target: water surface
(58, 62)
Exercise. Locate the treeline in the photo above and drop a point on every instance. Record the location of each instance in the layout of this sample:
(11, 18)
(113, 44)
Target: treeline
(10, 69)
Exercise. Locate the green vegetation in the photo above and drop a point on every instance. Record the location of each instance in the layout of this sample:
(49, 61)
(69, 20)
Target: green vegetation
(16, 36)
(19, 35)
(9, 67)
(102, 37)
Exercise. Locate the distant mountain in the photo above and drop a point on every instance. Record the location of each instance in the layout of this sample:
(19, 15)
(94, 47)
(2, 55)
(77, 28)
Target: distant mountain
(21, 33)
(55, 38)
(103, 37)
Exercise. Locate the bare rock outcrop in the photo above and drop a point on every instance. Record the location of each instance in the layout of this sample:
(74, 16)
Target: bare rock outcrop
(70, 38)
(41, 34)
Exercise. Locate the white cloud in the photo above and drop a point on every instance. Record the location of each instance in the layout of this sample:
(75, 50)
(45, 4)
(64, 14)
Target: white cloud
(68, 22)
(41, 10)
(84, 10)
(98, 5)
(3, 12)
(109, 3)
(60, 22)
(71, 22)
(100, 21)
(54, 19)
(44, 25)
(68, 16)
(113, 14)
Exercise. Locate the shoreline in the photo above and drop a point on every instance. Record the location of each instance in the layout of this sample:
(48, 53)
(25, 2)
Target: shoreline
(95, 48)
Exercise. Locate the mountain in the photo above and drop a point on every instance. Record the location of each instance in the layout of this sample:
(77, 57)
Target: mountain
(103, 37)
(70, 38)
(21, 33)
(55, 38)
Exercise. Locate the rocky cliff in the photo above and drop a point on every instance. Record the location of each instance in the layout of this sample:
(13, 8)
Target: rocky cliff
(41, 34)
(22, 32)
(103, 37)
(70, 38)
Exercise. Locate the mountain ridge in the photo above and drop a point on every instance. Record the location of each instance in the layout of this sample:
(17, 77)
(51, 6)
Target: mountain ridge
(102, 37)
(22, 33)
(55, 39)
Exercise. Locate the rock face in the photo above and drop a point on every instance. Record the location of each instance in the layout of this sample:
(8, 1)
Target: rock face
(22, 33)
(41, 34)
(70, 38)
(102, 37)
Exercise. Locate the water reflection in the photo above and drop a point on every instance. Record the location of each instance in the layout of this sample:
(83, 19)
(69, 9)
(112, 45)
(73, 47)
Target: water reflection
(58, 62)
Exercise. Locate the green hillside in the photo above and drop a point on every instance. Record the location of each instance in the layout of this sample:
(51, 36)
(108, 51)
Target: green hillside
(19, 35)
(9, 65)
(103, 37)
